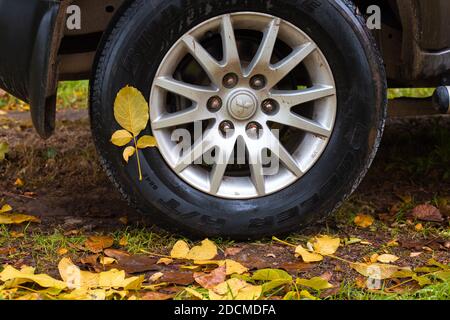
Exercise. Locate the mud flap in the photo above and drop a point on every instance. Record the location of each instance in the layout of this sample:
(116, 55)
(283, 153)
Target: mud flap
(29, 34)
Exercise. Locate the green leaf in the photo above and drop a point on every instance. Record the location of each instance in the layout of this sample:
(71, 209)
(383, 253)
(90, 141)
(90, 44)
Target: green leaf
(302, 295)
(269, 286)
(315, 283)
(121, 138)
(433, 262)
(131, 110)
(146, 142)
(422, 280)
(443, 275)
(271, 274)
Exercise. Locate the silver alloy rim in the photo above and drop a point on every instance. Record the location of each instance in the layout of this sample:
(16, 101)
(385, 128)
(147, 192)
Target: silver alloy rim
(241, 104)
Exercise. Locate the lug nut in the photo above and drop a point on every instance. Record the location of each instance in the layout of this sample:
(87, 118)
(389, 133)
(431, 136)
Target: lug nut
(214, 103)
(230, 80)
(225, 126)
(269, 106)
(253, 129)
(258, 82)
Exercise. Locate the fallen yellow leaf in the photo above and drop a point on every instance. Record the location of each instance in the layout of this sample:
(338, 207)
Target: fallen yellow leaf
(165, 261)
(62, 251)
(233, 267)
(5, 208)
(179, 250)
(325, 245)
(387, 258)
(363, 220)
(306, 255)
(107, 260)
(26, 275)
(376, 270)
(235, 289)
(19, 183)
(207, 250)
(16, 218)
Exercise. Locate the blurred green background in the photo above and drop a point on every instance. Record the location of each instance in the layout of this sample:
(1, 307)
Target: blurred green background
(74, 95)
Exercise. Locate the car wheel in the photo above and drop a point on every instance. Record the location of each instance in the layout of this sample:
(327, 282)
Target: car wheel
(280, 107)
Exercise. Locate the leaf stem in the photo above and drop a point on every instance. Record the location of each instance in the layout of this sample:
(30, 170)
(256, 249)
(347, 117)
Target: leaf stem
(137, 156)
(283, 242)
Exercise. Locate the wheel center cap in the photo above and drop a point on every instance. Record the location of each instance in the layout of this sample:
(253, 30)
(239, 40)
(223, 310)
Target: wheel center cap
(242, 105)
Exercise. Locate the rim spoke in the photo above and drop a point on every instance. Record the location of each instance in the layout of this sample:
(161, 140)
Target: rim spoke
(291, 98)
(262, 58)
(181, 117)
(197, 150)
(284, 156)
(256, 167)
(189, 91)
(209, 64)
(224, 154)
(283, 67)
(230, 54)
(293, 120)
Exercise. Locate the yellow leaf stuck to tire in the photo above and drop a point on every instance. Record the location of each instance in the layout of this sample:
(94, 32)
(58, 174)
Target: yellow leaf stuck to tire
(128, 152)
(146, 142)
(121, 138)
(131, 110)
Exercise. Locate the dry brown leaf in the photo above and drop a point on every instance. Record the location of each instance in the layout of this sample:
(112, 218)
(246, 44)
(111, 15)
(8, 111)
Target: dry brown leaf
(137, 263)
(427, 212)
(232, 251)
(212, 279)
(233, 267)
(180, 278)
(115, 253)
(96, 244)
(91, 259)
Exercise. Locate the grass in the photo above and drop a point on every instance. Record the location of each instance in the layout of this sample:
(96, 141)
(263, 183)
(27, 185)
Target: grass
(439, 291)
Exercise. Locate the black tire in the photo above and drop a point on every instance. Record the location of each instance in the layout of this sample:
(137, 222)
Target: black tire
(130, 55)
